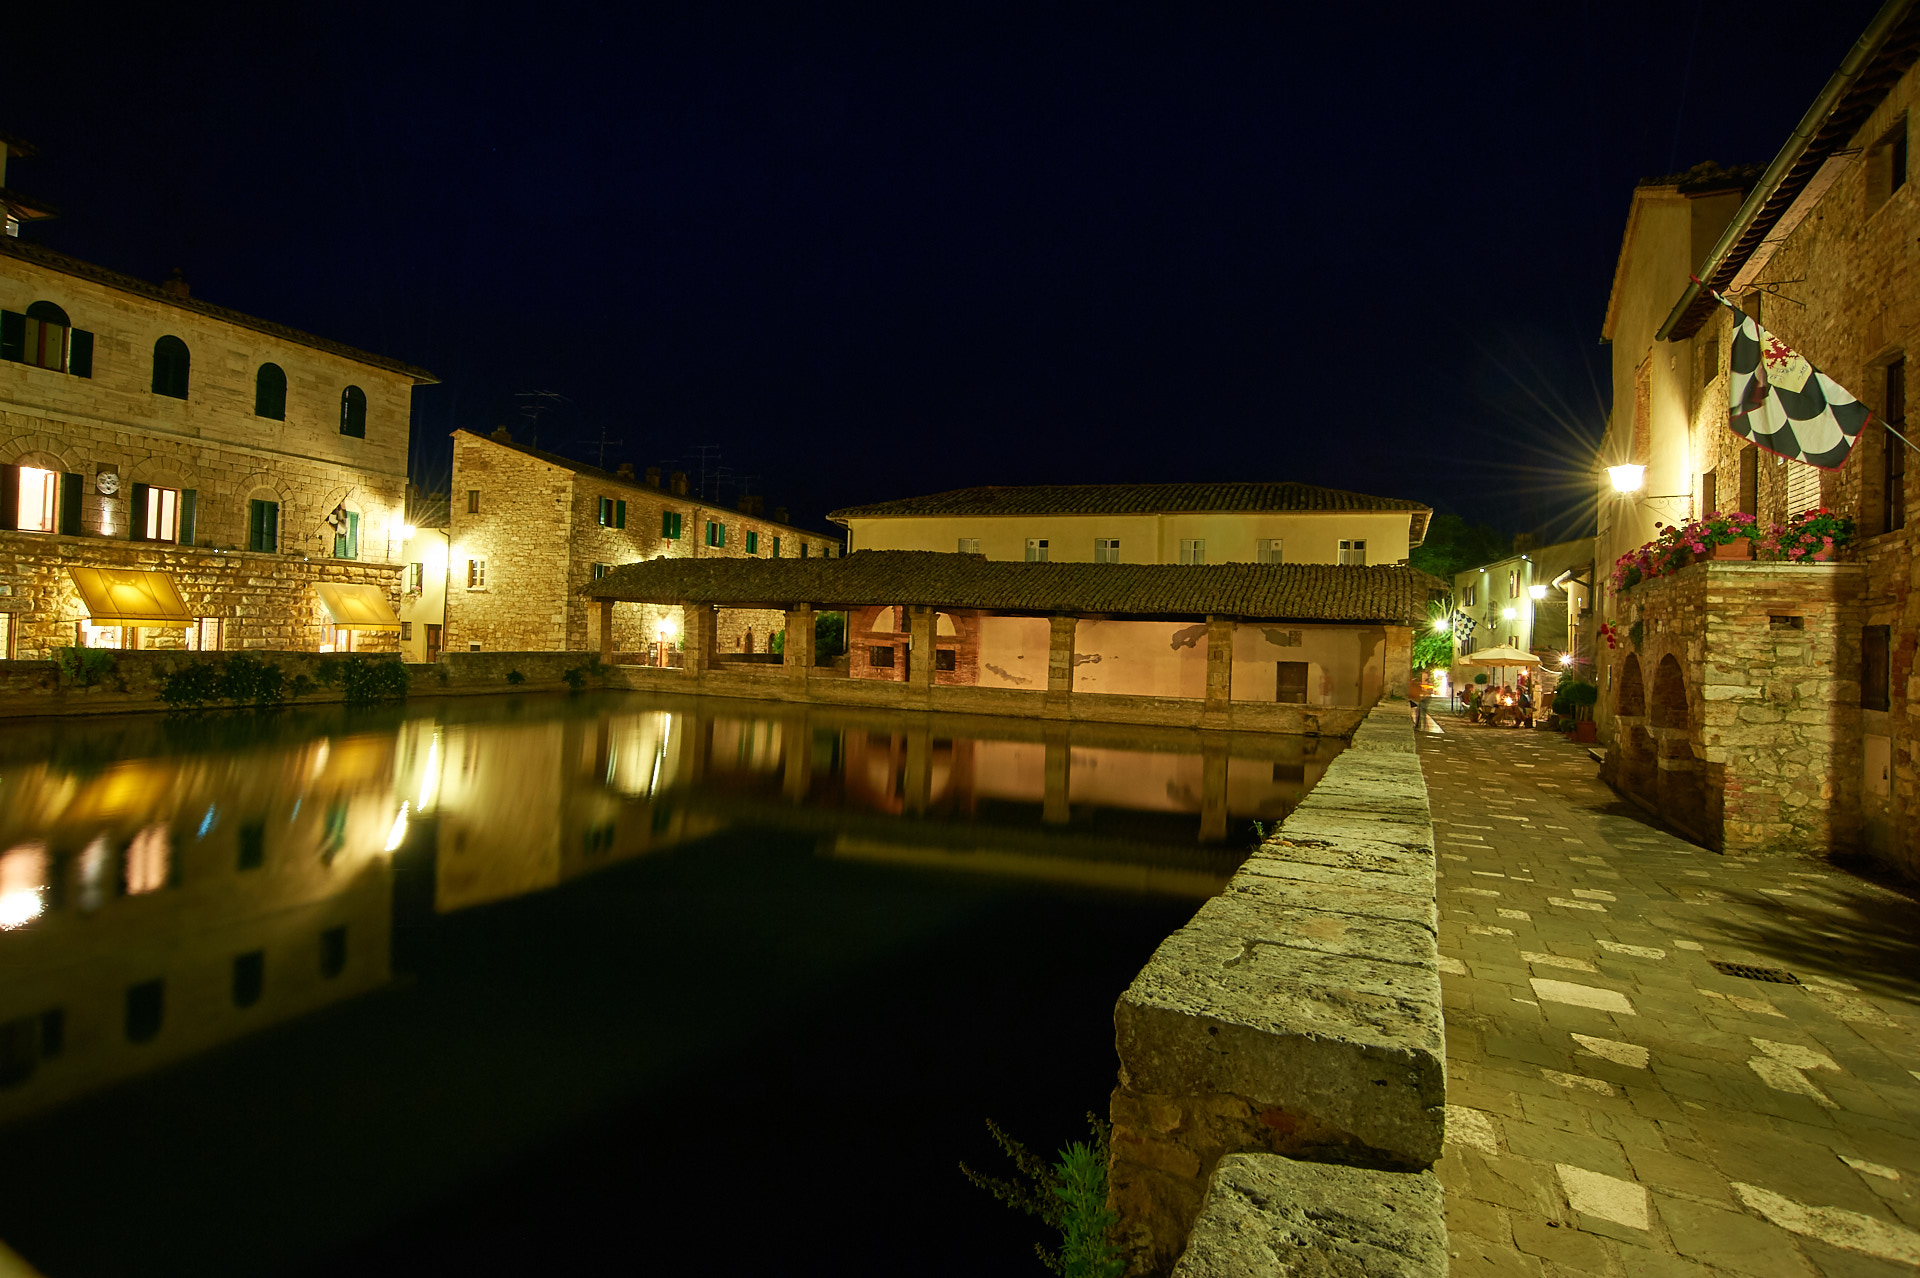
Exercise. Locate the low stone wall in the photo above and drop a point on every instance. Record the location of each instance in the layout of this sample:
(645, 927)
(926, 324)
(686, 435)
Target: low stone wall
(1298, 1015)
(1264, 1211)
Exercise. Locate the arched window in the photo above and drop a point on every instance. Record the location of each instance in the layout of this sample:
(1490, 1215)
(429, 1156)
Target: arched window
(353, 412)
(48, 313)
(270, 393)
(171, 361)
(45, 338)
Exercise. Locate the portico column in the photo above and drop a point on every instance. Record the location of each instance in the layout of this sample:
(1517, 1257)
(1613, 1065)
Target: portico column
(920, 632)
(797, 657)
(1219, 664)
(606, 632)
(696, 631)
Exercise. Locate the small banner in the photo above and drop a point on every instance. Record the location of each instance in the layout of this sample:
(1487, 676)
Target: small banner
(1462, 626)
(1782, 403)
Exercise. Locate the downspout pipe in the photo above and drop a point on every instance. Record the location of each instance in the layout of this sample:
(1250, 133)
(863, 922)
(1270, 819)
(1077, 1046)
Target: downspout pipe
(1802, 137)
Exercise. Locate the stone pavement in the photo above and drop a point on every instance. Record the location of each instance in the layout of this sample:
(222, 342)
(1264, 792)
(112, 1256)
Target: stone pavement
(1619, 1105)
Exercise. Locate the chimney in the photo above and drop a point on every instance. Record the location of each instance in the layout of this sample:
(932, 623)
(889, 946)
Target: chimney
(749, 505)
(678, 480)
(653, 476)
(177, 284)
(625, 471)
(780, 515)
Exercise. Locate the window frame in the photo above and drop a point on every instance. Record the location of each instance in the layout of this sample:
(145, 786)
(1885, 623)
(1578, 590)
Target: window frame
(1193, 550)
(473, 501)
(353, 413)
(476, 572)
(277, 402)
(1352, 553)
(1038, 548)
(1106, 550)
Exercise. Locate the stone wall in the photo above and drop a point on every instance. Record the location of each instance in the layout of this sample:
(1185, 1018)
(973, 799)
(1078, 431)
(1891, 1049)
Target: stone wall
(265, 601)
(1297, 1017)
(1736, 717)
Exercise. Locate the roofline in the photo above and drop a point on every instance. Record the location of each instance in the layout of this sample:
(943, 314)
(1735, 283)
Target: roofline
(1411, 507)
(18, 146)
(606, 476)
(52, 259)
(1786, 177)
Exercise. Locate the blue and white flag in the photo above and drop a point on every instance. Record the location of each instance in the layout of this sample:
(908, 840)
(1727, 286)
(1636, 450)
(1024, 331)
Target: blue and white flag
(1782, 403)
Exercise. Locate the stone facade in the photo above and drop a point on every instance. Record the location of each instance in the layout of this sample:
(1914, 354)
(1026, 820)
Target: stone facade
(1736, 715)
(111, 422)
(536, 521)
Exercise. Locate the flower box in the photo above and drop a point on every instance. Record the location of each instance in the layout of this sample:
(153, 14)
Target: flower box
(1739, 548)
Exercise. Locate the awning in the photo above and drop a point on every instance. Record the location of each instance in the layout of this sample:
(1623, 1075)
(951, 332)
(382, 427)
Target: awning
(130, 597)
(358, 607)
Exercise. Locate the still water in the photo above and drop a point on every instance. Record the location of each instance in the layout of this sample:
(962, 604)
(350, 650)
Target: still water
(498, 986)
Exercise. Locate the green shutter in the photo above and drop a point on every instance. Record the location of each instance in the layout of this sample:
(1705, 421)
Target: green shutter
(13, 335)
(80, 353)
(9, 497)
(189, 498)
(271, 525)
(254, 513)
(666, 524)
(619, 514)
(70, 490)
(137, 514)
(353, 534)
(263, 526)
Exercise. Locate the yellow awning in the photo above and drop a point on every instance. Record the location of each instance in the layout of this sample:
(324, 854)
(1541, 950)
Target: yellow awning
(130, 597)
(358, 607)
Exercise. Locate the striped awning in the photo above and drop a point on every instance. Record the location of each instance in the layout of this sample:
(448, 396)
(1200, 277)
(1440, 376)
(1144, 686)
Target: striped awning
(357, 607)
(130, 597)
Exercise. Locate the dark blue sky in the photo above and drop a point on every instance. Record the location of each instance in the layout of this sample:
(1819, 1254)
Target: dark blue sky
(873, 253)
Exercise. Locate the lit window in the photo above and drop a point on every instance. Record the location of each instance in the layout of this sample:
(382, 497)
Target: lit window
(969, 545)
(473, 501)
(1269, 550)
(149, 860)
(416, 579)
(1106, 550)
(270, 393)
(1353, 552)
(353, 412)
(163, 514)
(476, 575)
(1036, 550)
(39, 499)
(1193, 550)
(171, 362)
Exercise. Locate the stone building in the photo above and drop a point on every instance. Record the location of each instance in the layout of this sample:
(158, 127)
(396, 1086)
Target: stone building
(530, 530)
(1773, 705)
(216, 480)
(1538, 599)
(1265, 523)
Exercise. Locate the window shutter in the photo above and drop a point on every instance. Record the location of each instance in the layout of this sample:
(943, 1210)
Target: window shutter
(70, 490)
(255, 513)
(9, 496)
(137, 514)
(271, 540)
(188, 499)
(353, 534)
(80, 353)
(619, 514)
(13, 335)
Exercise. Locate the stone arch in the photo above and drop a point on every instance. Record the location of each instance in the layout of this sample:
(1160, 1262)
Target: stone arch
(1669, 694)
(1630, 698)
(35, 450)
(164, 472)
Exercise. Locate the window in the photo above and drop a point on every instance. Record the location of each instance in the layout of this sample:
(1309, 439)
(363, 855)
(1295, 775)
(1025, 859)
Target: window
(716, 533)
(753, 543)
(1513, 584)
(880, 657)
(1290, 682)
(346, 539)
(1193, 550)
(270, 393)
(969, 546)
(170, 363)
(1803, 487)
(1354, 552)
(776, 547)
(1887, 166)
(601, 570)
(473, 501)
(39, 500)
(1894, 469)
(476, 578)
(406, 631)
(606, 512)
(416, 579)
(1106, 550)
(1876, 668)
(353, 412)
(249, 978)
(253, 845)
(146, 1008)
(670, 525)
(45, 338)
(160, 518)
(944, 659)
(333, 951)
(1269, 550)
(473, 647)
(803, 550)
(826, 552)
(263, 526)
(1037, 550)
(1471, 596)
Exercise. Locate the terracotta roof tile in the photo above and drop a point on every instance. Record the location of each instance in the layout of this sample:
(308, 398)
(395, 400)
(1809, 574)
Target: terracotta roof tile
(1282, 592)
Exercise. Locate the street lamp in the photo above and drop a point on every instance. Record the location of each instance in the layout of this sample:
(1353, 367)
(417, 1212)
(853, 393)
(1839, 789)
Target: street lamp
(1566, 658)
(1538, 592)
(1440, 626)
(1627, 479)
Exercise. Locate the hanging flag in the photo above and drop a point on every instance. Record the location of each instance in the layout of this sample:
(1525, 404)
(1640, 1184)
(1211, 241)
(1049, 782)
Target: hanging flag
(1780, 402)
(1462, 626)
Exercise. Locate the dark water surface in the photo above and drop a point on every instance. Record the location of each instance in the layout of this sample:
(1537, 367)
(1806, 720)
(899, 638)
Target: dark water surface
(501, 986)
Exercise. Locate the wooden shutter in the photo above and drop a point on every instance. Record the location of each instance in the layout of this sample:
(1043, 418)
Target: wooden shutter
(13, 337)
(9, 497)
(619, 514)
(137, 514)
(188, 500)
(70, 490)
(254, 514)
(271, 526)
(1750, 480)
(80, 353)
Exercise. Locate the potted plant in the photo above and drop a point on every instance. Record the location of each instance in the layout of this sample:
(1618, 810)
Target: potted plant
(1812, 536)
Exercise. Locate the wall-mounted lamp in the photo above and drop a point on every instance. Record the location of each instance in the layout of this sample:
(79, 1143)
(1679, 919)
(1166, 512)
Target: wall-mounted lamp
(1566, 658)
(1538, 592)
(1508, 613)
(1440, 626)
(1627, 479)
(407, 531)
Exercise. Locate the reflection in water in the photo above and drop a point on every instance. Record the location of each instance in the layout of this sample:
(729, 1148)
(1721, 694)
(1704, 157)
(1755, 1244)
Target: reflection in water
(166, 887)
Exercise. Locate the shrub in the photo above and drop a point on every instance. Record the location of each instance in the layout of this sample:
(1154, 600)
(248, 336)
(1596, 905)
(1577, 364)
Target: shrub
(366, 681)
(191, 686)
(514, 676)
(574, 677)
(777, 643)
(1070, 1196)
(84, 666)
(1571, 696)
(829, 634)
(1481, 677)
(247, 680)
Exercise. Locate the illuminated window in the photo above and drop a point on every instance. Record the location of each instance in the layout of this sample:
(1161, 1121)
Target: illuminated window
(1036, 550)
(149, 860)
(1106, 550)
(39, 500)
(416, 579)
(270, 393)
(353, 412)
(1353, 552)
(1193, 550)
(171, 362)
(163, 514)
(476, 576)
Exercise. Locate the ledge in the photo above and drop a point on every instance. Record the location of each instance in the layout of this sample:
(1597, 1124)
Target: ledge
(1268, 1215)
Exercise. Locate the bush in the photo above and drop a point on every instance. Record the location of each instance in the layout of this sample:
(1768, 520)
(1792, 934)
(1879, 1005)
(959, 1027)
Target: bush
(515, 677)
(574, 677)
(777, 643)
(829, 634)
(191, 686)
(365, 681)
(84, 666)
(1070, 1196)
(1571, 696)
(1481, 677)
(247, 680)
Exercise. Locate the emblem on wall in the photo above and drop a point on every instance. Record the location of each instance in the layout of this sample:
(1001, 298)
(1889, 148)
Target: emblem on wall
(108, 482)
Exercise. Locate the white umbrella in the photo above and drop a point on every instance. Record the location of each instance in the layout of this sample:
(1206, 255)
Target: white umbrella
(1504, 655)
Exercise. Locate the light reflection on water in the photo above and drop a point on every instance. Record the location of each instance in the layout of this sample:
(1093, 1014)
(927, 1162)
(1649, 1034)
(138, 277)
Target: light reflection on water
(168, 886)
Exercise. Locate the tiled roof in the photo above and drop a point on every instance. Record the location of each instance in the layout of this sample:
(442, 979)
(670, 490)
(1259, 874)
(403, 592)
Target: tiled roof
(1128, 499)
(1282, 592)
(40, 255)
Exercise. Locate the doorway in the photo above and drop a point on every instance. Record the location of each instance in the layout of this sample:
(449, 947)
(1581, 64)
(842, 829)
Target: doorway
(1290, 682)
(433, 641)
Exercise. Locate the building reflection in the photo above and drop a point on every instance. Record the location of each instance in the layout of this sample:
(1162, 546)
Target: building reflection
(162, 894)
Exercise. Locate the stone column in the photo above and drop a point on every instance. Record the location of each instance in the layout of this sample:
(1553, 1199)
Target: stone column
(1219, 665)
(920, 632)
(1059, 779)
(696, 631)
(1213, 791)
(797, 660)
(606, 632)
(1060, 666)
(1399, 659)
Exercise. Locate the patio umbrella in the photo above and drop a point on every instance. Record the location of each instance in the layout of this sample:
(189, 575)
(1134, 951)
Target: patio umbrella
(1504, 655)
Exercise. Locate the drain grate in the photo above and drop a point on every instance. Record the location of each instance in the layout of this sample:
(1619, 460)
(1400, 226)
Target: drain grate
(1747, 972)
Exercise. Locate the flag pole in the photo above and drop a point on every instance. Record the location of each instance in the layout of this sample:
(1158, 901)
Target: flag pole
(1902, 438)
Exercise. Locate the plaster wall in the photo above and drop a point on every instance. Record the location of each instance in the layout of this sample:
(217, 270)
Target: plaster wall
(1344, 663)
(1013, 652)
(1231, 537)
(428, 548)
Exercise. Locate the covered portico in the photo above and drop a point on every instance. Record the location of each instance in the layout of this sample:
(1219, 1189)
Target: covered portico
(1271, 647)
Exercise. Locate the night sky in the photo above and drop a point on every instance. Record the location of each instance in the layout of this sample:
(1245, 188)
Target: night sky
(867, 254)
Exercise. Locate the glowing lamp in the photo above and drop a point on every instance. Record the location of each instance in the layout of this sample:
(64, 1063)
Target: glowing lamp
(1538, 592)
(1566, 658)
(407, 531)
(1440, 626)
(1508, 613)
(1627, 479)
